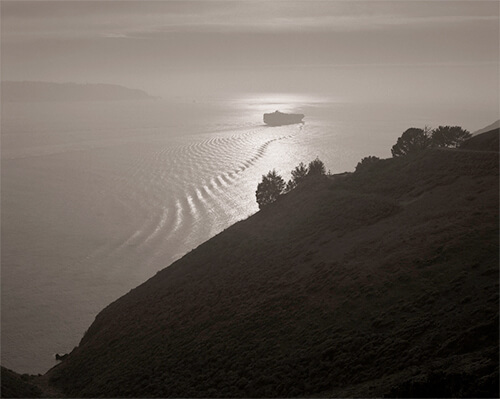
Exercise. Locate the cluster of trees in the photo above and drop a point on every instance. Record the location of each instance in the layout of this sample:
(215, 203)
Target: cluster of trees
(273, 185)
(411, 141)
(415, 139)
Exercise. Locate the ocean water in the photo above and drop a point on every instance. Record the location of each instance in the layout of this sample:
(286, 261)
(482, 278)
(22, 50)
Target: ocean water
(98, 197)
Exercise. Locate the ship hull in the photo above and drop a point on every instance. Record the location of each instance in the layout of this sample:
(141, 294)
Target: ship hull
(278, 119)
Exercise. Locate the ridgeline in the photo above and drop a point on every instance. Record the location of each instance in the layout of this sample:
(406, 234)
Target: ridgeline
(383, 282)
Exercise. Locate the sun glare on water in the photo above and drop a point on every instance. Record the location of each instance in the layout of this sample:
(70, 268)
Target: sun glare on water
(270, 102)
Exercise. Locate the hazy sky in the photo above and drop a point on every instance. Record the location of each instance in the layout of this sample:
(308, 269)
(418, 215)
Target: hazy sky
(345, 49)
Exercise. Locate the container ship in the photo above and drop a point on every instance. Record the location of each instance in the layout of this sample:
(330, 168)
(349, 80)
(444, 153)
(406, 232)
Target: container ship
(279, 118)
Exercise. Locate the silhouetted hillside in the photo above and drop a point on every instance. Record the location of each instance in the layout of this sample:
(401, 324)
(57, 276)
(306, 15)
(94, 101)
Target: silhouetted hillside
(483, 142)
(47, 91)
(17, 386)
(380, 282)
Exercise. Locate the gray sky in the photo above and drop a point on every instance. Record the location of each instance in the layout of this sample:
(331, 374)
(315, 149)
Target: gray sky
(348, 50)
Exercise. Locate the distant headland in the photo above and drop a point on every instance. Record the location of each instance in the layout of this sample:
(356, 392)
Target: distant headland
(27, 91)
(489, 128)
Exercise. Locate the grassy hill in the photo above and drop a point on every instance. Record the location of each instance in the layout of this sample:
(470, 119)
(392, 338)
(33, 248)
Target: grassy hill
(381, 282)
(487, 141)
(18, 386)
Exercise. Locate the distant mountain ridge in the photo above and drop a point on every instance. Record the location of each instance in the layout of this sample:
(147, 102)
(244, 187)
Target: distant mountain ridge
(494, 125)
(28, 91)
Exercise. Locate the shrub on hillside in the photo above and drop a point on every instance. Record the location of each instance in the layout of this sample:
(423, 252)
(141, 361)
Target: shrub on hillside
(411, 141)
(300, 172)
(269, 189)
(449, 136)
(273, 185)
(366, 163)
(298, 175)
(316, 168)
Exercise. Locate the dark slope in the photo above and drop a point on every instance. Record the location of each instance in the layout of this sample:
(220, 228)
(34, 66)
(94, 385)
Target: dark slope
(383, 282)
(17, 386)
(487, 141)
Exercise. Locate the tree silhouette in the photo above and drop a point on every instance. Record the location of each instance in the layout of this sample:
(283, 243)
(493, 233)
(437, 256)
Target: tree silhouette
(366, 163)
(316, 167)
(269, 189)
(298, 176)
(449, 136)
(290, 185)
(411, 141)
